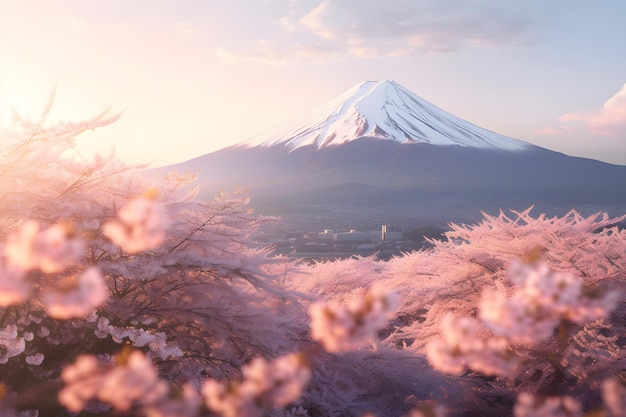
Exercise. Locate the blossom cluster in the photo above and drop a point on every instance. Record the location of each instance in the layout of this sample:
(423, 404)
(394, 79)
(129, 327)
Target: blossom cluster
(438, 410)
(51, 250)
(132, 385)
(614, 396)
(55, 250)
(347, 328)
(530, 406)
(264, 386)
(467, 344)
(140, 225)
(10, 343)
(49, 265)
(156, 342)
(542, 300)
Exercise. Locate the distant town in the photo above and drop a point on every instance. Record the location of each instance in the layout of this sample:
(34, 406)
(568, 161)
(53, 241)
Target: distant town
(388, 241)
(324, 232)
(329, 232)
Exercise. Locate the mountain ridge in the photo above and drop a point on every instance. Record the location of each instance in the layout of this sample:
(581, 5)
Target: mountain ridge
(305, 168)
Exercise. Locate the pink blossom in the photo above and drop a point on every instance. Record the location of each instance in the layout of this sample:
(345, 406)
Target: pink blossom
(516, 317)
(542, 299)
(14, 288)
(557, 291)
(614, 396)
(347, 328)
(466, 344)
(52, 250)
(228, 402)
(530, 406)
(435, 411)
(86, 293)
(133, 383)
(36, 359)
(188, 405)
(20, 246)
(281, 381)
(82, 380)
(140, 225)
(11, 344)
(444, 358)
(592, 308)
(264, 386)
(157, 342)
(58, 247)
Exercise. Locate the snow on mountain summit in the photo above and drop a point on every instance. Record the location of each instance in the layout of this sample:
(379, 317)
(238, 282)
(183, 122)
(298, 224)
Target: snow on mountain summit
(383, 110)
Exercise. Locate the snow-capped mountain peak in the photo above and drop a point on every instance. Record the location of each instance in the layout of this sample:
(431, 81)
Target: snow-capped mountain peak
(383, 110)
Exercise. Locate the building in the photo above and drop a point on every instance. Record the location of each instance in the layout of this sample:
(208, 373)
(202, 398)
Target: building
(391, 233)
(327, 234)
(355, 235)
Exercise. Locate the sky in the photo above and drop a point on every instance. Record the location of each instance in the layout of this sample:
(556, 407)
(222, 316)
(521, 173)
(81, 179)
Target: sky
(194, 76)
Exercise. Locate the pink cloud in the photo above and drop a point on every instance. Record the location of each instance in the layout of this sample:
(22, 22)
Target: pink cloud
(610, 120)
(315, 21)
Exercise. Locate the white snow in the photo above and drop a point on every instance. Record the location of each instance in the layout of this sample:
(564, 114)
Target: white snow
(383, 110)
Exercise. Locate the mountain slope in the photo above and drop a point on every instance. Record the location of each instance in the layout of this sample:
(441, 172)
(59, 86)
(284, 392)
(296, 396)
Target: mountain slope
(383, 110)
(379, 143)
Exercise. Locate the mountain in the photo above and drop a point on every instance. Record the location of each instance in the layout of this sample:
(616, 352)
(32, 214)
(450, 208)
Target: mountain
(378, 143)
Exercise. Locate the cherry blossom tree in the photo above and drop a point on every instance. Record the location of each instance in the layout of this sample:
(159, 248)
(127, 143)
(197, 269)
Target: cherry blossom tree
(97, 255)
(512, 304)
(121, 293)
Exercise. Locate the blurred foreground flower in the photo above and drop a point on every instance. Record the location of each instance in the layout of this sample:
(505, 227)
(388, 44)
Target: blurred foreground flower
(466, 344)
(264, 386)
(140, 225)
(184, 404)
(432, 411)
(80, 296)
(530, 406)
(52, 250)
(82, 380)
(614, 396)
(347, 328)
(541, 301)
(543, 298)
(14, 289)
(132, 384)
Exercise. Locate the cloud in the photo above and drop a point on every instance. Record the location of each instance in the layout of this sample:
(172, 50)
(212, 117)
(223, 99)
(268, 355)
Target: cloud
(316, 21)
(609, 120)
(435, 23)
(374, 29)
